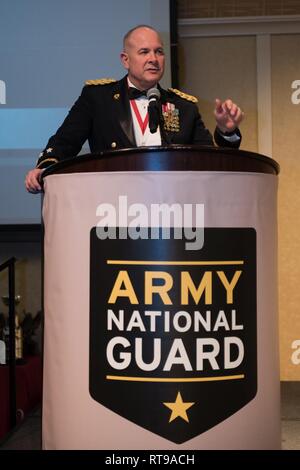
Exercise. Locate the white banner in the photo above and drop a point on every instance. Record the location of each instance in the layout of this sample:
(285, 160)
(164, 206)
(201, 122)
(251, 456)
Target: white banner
(135, 324)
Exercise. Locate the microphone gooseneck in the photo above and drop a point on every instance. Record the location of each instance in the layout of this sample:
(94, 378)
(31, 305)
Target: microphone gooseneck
(153, 96)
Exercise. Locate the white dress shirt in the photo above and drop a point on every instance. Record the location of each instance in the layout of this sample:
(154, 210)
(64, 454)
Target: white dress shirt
(146, 139)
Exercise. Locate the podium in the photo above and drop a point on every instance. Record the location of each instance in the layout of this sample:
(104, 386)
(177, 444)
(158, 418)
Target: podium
(160, 297)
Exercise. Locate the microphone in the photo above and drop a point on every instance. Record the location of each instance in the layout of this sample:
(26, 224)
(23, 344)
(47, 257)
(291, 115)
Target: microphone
(153, 96)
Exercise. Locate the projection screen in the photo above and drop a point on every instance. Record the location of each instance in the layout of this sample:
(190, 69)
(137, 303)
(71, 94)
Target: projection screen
(47, 51)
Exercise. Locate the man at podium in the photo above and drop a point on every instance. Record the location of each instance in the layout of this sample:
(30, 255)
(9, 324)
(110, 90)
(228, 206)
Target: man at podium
(136, 111)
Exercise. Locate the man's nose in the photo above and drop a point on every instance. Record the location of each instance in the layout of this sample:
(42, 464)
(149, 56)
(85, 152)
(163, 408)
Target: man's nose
(152, 56)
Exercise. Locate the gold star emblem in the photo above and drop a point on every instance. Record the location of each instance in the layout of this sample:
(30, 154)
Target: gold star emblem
(179, 408)
(49, 150)
(116, 96)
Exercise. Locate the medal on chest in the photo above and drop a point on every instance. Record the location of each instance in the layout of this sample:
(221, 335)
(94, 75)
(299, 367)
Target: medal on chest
(171, 117)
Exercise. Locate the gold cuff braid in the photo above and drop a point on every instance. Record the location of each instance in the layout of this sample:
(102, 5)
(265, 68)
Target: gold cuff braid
(54, 160)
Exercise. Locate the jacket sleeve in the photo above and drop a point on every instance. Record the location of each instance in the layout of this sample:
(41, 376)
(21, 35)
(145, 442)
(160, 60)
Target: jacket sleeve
(71, 135)
(229, 139)
(201, 135)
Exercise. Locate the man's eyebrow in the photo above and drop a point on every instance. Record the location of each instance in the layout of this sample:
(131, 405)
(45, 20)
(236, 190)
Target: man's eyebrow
(159, 48)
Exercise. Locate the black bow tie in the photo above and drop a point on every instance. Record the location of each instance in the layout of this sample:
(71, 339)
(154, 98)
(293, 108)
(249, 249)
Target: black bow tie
(134, 93)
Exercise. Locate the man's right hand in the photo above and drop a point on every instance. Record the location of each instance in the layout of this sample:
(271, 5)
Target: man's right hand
(33, 180)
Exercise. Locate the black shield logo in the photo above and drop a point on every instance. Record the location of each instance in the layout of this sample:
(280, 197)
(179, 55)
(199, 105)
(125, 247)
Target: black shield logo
(173, 343)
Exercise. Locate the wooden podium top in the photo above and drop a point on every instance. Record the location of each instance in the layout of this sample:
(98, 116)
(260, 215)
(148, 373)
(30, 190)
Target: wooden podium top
(171, 158)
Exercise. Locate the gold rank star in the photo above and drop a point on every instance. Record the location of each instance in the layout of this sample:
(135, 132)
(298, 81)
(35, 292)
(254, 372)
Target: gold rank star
(49, 150)
(179, 408)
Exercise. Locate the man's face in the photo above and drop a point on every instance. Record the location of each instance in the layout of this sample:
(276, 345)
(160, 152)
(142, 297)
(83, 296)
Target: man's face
(144, 58)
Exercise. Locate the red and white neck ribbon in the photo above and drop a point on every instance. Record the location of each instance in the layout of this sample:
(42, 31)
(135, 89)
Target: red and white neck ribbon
(142, 123)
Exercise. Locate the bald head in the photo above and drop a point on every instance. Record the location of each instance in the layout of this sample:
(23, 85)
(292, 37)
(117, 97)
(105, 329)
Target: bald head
(127, 37)
(143, 56)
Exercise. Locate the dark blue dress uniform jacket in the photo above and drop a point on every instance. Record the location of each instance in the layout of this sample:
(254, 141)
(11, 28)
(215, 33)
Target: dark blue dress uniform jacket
(102, 116)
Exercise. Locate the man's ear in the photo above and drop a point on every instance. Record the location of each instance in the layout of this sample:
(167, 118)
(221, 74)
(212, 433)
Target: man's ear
(124, 59)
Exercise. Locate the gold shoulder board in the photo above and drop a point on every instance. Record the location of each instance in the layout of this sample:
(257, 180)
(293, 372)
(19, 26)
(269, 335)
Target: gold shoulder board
(100, 81)
(183, 95)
